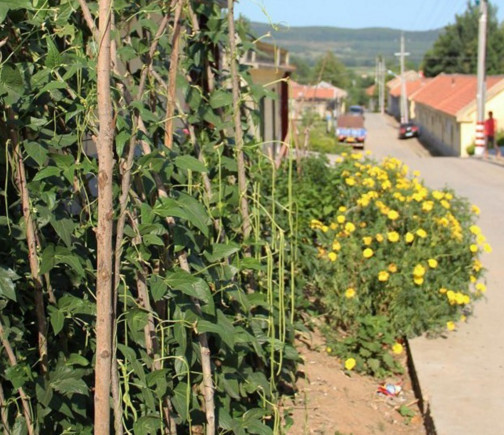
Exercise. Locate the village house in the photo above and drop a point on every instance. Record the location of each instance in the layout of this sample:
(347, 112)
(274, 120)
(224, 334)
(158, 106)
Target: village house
(412, 87)
(445, 110)
(393, 106)
(270, 67)
(322, 99)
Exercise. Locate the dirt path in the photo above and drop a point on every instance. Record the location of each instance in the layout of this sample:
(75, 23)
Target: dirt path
(331, 402)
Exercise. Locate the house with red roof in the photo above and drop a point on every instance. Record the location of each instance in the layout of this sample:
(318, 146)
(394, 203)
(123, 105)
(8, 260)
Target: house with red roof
(321, 99)
(412, 88)
(445, 109)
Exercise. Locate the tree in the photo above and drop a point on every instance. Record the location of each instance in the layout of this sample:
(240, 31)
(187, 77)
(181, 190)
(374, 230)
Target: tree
(456, 49)
(330, 69)
(303, 72)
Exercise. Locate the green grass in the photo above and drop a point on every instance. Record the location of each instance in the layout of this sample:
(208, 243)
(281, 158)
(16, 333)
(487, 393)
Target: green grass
(323, 142)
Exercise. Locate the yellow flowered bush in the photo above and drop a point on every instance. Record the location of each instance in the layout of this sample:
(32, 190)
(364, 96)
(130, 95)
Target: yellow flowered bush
(416, 259)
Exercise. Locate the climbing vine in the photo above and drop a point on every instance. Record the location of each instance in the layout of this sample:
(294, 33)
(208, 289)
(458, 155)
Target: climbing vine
(200, 292)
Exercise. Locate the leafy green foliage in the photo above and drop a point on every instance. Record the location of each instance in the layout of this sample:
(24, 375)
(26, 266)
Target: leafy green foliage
(455, 50)
(387, 258)
(48, 113)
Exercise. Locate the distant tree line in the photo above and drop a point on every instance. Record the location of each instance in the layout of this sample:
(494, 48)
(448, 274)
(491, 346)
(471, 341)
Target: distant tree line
(456, 49)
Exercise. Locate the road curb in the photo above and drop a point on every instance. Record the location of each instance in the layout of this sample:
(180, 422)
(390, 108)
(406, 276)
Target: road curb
(423, 404)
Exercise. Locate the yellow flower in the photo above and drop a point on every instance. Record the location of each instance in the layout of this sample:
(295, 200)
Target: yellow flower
(409, 237)
(393, 236)
(449, 196)
(416, 174)
(481, 287)
(332, 256)
(473, 248)
(487, 248)
(393, 215)
(367, 253)
(342, 208)
(463, 318)
(475, 229)
(477, 265)
(340, 219)
(379, 238)
(350, 227)
(437, 194)
(427, 205)
(445, 203)
(363, 225)
(432, 263)
(450, 294)
(419, 270)
(480, 238)
(397, 348)
(421, 233)
(472, 278)
(333, 226)
(442, 290)
(418, 280)
(367, 240)
(383, 276)
(475, 209)
(350, 293)
(336, 246)
(350, 363)
(325, 228)
(328, 349)
(392, 268)
(450, 325)
(350, 181)
(321, 252)
(339, 160)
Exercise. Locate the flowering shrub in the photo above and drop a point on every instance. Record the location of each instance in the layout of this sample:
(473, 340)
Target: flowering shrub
(396, 249)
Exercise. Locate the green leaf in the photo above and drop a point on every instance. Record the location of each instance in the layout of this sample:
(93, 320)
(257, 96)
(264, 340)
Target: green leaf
(57, 319)
(6, 5)
(147, 425)
(190, 163)
(50, 171)
(221, 250)
(7, 286)
(64, 228)
(221, 98)
(158, 287)
(37, 152)
(181, 400)
(190, 285)
(70, 386)
(152, 239)
(11, 82)
(65, 256)
(77, 360)
(225, 334)
(18, 375)
(185, 207)
(53, 58)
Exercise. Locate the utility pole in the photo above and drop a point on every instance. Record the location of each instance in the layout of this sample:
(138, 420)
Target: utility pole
(404, 97)
(480, 93)
(381, 84)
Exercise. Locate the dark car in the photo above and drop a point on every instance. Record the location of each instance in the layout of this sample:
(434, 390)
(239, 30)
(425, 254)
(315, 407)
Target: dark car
(408, 129)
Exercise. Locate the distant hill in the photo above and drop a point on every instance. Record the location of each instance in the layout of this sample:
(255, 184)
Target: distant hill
(354, 47)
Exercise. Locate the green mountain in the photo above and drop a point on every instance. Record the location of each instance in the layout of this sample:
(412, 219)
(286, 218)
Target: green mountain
(354, 47)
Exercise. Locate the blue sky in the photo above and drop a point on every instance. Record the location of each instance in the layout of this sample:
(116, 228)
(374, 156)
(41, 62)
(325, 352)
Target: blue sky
(397, 14)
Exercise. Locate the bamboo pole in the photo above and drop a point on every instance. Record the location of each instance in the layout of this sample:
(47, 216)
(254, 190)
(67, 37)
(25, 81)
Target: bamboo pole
(104, 311)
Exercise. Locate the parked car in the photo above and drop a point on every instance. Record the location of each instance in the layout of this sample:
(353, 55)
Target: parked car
(408, 129)
(356, 110)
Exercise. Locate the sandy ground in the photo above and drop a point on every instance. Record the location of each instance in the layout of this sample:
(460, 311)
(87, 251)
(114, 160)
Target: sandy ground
(329, 401)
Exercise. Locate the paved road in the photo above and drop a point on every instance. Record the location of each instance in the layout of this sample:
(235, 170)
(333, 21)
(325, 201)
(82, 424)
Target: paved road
(462, 375)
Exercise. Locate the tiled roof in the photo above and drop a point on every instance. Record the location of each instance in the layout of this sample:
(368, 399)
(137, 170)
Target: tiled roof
(371, 90)
(322, 91)
(450, 93)
(411, 87)
(410, 76)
